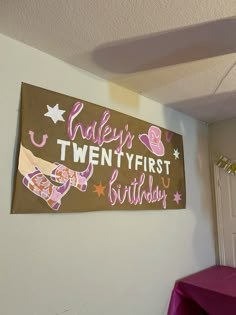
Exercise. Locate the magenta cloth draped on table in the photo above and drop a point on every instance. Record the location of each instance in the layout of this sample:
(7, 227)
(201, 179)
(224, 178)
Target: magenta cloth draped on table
(208, 292)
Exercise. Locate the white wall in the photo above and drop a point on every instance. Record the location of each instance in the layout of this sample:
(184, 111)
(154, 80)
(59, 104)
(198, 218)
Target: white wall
(100, 263)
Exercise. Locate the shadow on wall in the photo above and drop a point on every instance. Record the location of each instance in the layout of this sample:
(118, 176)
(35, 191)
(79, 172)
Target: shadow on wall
(202, 107)
(197, 174)
(15, 151)
(197, 171)
(207, 212)
(168, 48)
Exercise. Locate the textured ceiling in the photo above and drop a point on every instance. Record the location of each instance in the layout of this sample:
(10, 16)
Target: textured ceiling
(181, 53)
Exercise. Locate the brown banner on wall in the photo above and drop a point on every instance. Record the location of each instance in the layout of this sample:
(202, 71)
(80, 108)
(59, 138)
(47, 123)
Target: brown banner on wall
(76, 156)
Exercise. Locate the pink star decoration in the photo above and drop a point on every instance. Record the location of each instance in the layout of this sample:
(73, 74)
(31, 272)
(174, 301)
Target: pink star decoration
(177, 197)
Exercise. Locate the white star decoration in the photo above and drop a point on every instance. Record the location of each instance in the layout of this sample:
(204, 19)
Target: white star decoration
(55, 113)
(176, 154)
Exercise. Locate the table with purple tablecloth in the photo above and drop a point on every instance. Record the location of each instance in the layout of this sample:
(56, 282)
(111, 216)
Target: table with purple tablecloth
(208, 292)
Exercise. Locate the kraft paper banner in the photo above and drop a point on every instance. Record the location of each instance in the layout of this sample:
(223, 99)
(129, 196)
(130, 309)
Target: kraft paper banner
(76, 156)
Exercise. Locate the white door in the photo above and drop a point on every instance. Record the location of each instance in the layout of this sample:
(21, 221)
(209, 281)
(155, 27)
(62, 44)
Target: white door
(225, 190)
